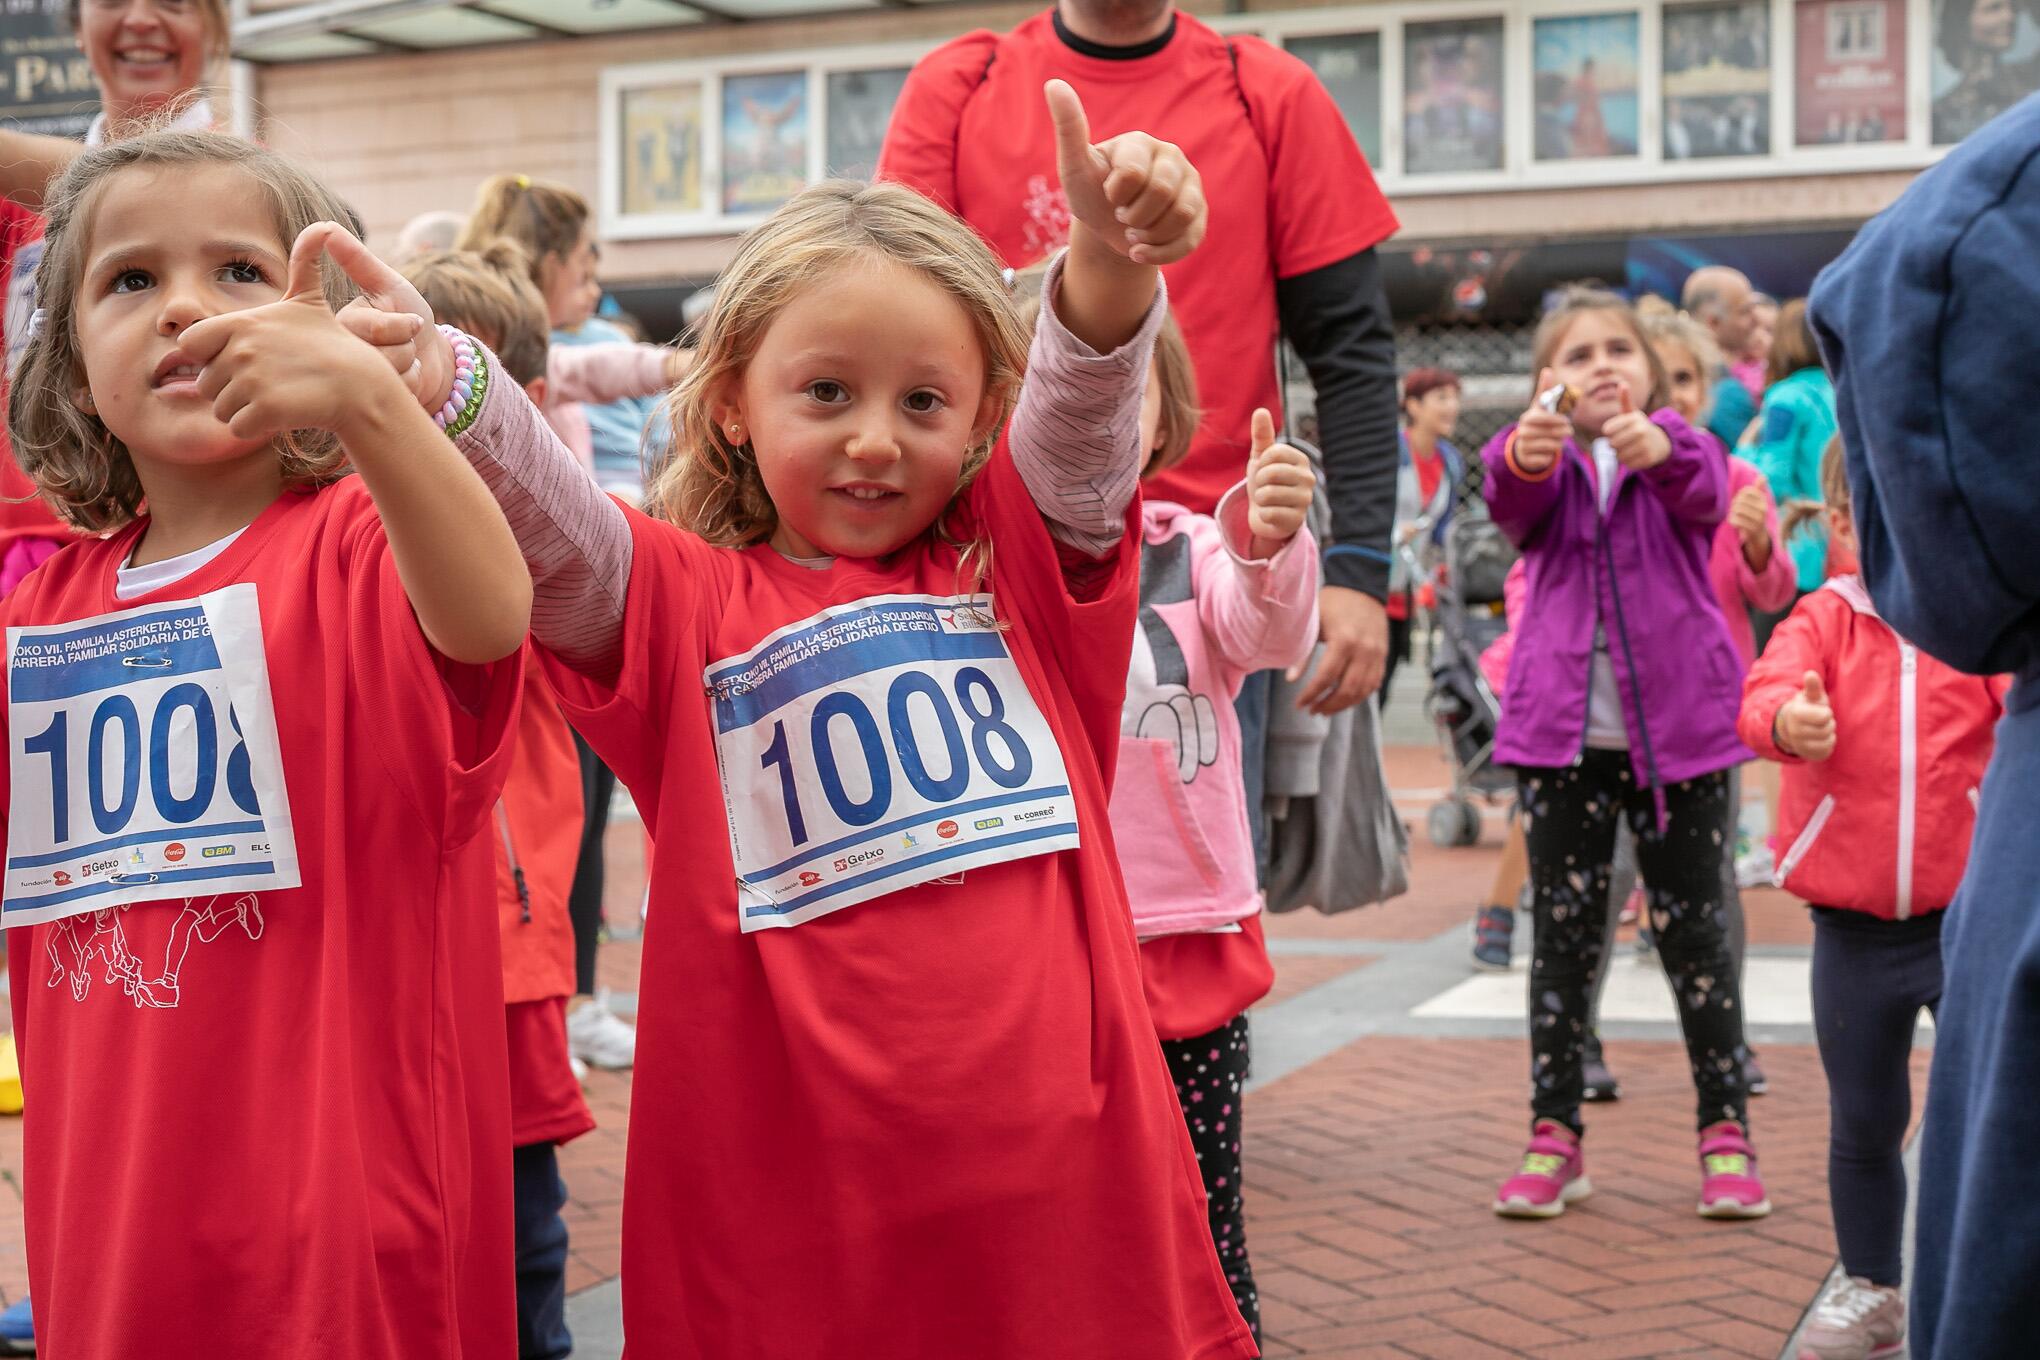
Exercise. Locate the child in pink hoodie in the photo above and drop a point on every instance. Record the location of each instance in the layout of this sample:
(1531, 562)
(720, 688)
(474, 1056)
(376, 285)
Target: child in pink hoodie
(1221, 597)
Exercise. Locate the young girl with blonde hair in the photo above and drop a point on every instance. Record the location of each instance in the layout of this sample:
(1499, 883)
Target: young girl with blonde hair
(897, 1092)
(1620, 705)
(278, 1038)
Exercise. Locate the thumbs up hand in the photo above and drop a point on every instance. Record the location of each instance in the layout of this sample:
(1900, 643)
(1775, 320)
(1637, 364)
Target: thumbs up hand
(1136, 194)
(1638, 441)
(1805, 725)
(1280, 483)
(290, 364)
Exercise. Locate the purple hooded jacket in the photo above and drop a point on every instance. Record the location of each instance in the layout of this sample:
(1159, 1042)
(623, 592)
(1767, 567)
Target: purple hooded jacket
(1641, 574)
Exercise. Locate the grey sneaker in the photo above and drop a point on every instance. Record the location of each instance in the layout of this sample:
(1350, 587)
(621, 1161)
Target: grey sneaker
(1855, 1320)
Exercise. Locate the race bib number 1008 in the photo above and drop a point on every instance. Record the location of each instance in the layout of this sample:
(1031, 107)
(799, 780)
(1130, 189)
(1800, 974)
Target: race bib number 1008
(143, 759)
(878, 745)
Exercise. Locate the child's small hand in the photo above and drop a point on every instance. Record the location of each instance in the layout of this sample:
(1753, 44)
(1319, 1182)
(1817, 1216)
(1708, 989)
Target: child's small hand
(1280, 484)
(1136, 194)
(1805, 725)
(426, 362)
(1747, 513)
(290, 364)
(1638, 441)
(1540, 434)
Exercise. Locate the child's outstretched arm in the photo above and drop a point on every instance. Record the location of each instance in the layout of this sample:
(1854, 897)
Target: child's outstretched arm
(600, 374)
(1135, 204)
(1785, 712)
(291, 365)
(575, 540)
(1259, 606)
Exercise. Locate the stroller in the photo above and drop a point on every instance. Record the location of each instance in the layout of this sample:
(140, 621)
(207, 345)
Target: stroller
(1465, 572)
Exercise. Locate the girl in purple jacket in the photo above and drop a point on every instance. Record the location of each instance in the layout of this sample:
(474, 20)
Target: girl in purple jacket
(1621, 703)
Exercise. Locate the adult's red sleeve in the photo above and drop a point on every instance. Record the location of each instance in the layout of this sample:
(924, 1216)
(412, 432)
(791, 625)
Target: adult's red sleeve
(920, 141)
(1323, 202)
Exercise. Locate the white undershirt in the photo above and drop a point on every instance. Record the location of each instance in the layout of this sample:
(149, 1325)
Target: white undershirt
(1606, 730)
(133, 582)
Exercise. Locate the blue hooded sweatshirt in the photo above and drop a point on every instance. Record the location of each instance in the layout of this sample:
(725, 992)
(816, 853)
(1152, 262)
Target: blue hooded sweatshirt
(1926, 323)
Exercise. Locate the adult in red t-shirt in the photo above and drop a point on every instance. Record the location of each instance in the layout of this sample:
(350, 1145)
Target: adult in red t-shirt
(1295, 217)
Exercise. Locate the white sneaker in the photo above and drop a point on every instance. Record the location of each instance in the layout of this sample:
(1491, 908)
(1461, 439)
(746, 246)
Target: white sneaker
(1754, 870)
(580, 1069)
(1856, 1320)
(598, 1037)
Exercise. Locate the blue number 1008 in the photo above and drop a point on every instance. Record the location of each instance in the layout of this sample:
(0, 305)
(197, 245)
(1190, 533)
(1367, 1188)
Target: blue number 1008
(116, 722)
(997, 745)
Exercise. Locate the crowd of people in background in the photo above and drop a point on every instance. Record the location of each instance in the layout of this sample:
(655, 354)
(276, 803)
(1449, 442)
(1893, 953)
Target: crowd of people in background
(1014, 469)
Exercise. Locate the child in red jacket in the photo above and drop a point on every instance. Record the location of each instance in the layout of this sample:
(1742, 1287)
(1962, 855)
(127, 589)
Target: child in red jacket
(1883, 749)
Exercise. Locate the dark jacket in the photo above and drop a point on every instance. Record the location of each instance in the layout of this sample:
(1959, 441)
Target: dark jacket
(1926, 325)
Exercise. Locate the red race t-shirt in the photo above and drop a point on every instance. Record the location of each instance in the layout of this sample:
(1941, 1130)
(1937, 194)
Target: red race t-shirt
(270, 1123)
(1288, 189)
(930, 1120)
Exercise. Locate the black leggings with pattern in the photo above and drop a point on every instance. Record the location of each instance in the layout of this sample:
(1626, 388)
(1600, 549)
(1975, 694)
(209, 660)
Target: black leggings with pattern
(1572, 813)
(1210, 1072)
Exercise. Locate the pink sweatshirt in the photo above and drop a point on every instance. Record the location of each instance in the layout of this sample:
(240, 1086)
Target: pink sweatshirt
(1209, 617)
(598, 375)
(1737, 587)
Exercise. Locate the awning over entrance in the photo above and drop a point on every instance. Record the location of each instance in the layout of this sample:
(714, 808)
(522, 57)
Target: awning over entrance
(317, 30)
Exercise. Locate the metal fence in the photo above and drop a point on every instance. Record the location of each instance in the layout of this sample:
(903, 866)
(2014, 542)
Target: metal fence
(1493, 364)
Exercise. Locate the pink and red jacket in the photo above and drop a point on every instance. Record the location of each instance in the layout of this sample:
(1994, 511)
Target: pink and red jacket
(1882, 826)
(1209, 617)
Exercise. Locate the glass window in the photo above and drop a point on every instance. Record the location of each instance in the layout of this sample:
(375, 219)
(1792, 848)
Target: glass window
(1452, 96)
(764, 140)
(1986, 59)
(1584, 69)
(661, 152)
(1349, 67)
(1717, 80)
(860, 106)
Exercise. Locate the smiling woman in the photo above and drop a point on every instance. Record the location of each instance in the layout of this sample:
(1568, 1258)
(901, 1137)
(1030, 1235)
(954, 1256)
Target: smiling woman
(152, 59)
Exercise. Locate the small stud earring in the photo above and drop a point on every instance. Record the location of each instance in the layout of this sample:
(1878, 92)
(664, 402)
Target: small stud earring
(736, 433)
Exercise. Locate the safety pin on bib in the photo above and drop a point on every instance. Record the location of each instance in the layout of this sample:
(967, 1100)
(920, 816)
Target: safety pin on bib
(152, 663)
(132, 878)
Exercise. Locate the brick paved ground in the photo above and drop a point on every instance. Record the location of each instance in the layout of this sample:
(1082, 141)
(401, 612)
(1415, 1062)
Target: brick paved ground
(1370, 1168)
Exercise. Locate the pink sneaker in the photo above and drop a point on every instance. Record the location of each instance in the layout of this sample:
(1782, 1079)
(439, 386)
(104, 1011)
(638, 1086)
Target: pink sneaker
(1855, 1320)
(1553, 1175)
(1729, 1184)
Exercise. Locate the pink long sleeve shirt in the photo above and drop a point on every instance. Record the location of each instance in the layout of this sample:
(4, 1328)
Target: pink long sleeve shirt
(1737, 587)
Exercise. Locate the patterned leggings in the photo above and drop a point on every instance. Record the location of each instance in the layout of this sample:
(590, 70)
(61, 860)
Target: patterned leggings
(1210, 1072)
(1571, 835)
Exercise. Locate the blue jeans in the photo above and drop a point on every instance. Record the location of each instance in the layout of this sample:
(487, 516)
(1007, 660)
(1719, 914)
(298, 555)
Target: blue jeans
(541, 1255)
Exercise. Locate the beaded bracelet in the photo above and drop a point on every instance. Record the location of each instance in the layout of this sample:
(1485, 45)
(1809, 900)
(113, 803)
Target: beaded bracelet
(470, 383)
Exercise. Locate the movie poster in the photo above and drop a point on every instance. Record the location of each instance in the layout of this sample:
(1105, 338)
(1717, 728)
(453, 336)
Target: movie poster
(46, 84)
(1348, 65)
(860, 104)
(1717, 78)
(1452, 96)
(1584, 68)
(1986, 58)
(764, 140)
(1850, 62)
(661, 152)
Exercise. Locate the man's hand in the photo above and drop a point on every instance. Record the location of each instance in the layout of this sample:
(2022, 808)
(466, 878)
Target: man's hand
(1353, 625)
